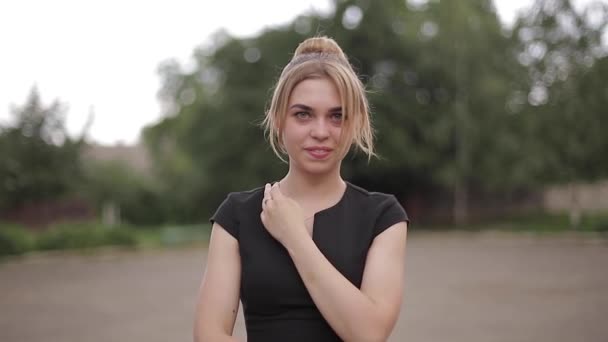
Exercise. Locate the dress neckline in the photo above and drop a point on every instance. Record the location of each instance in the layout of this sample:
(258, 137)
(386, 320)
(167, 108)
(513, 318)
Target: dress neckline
(337, 204)
(321, 215)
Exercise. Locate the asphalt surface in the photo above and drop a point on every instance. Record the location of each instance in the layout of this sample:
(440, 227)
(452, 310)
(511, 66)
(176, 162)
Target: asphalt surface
(459, 287)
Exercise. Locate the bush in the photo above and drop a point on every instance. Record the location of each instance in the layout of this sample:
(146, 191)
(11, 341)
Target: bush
(15, 240)
(184, 234)
(597, 222)
(133, 192)
(87, 235)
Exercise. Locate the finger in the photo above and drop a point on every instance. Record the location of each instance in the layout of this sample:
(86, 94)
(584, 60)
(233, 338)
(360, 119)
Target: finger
(266, 195)
(266, 189)
(266, 202)
(275, 191)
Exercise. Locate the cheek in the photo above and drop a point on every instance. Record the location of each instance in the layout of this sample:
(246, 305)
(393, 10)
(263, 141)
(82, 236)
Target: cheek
(294, 131)
(337, 129)
(336, 132)
(291, 136)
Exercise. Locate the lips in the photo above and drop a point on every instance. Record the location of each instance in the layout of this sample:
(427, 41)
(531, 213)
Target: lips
(318, 152)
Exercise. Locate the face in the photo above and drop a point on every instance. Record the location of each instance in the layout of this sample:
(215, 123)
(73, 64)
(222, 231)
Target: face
(313, 125)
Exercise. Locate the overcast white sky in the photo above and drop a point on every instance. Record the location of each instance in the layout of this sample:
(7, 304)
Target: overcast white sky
(105, 53)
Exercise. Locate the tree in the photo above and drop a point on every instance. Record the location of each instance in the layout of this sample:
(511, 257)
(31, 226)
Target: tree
(441, 75)
(562, 49)
(439, 78)
(39, 160)
(449, 91)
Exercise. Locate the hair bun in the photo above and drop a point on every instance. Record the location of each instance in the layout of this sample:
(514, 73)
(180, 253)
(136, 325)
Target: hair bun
(320, 45)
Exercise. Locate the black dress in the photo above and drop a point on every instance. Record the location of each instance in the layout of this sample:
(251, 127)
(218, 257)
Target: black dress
(276, 304)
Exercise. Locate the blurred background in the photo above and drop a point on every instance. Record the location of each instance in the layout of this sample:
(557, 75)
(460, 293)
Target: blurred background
(125, 125)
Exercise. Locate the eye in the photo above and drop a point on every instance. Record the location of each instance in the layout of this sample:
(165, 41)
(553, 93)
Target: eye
(302, 115)
(336, 116)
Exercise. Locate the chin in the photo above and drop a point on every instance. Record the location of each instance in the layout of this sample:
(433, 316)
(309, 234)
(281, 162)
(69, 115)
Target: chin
(318, 167)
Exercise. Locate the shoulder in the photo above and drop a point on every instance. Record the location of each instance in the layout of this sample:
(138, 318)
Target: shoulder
(237, 207)
(245, 197)
(383, 208)
(372, 198)
(246, 201)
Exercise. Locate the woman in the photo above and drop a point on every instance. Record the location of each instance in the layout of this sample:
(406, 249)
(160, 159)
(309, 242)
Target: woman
(312, 257)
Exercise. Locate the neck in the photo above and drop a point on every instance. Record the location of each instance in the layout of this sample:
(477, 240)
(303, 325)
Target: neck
(304, 186)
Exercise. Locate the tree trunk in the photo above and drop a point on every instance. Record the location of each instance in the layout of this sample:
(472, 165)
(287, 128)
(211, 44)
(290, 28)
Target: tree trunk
(110, 214)
(574, 212)
(461, 203)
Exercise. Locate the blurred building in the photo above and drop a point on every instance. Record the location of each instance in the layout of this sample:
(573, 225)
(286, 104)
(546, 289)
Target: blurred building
(586, 197)
(134, 156)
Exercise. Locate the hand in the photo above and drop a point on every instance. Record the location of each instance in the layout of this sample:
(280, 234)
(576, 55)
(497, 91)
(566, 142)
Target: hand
(282, 217)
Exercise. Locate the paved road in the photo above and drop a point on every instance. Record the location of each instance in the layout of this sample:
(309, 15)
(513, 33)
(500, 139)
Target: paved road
(460, 287)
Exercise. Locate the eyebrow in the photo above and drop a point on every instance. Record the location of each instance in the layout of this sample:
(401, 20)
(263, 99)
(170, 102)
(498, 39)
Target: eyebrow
(305, 107)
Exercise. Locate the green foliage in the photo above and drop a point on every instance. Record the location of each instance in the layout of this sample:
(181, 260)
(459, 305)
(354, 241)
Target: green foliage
(39, 160)
(136, 195)
(568, 65)
(543, 222)
(460, 105)
(180, 235)
(596, 222)
(434, 97)
(14, 240)
(537, 222)
(17, 240)
(79, 235)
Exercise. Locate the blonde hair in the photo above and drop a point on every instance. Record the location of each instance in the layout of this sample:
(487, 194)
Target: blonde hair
(322, 57)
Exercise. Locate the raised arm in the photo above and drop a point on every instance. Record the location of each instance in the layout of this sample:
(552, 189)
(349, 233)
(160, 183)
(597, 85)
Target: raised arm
(218, 299)
(366, 314)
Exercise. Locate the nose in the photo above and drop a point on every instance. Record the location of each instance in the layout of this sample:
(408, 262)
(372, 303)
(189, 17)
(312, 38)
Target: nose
(319, 129)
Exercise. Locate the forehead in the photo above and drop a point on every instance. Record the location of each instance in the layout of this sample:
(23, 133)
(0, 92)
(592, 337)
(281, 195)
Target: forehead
(315, 92)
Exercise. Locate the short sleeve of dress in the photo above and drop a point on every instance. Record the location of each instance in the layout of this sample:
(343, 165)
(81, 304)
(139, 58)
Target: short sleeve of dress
(389, 212)
(225, 216)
